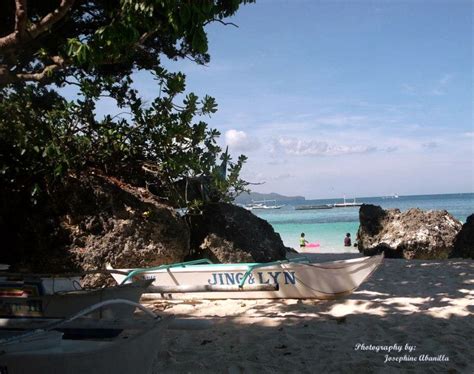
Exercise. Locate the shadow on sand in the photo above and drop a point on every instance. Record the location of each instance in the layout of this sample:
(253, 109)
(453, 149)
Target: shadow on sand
(419, 305)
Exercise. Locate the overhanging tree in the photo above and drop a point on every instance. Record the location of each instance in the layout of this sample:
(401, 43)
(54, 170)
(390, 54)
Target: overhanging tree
(38, 38)
(96, 46)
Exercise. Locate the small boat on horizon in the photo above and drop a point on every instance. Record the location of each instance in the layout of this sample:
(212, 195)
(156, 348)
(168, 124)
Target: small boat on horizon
(263, 205)
(392, 196)
(346, 204)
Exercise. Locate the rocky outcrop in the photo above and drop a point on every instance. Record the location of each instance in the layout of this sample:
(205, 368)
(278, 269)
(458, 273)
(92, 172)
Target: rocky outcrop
(108, 221)
(228, 233)
(414, 234)
(464, 243)
(93, 220)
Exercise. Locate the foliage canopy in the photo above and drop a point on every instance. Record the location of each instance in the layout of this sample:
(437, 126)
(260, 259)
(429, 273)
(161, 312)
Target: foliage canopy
(96, 46)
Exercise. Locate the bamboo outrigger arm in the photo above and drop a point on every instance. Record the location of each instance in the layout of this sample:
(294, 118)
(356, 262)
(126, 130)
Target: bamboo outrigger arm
(211, 288)
(161, 267)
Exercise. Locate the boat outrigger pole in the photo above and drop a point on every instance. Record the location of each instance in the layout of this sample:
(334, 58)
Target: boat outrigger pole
(211, 288)
(162, 267)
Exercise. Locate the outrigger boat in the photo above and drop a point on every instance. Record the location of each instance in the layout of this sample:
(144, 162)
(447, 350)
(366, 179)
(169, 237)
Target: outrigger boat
(263, 205)
(77, 345)
(290, 279)
(347, 204)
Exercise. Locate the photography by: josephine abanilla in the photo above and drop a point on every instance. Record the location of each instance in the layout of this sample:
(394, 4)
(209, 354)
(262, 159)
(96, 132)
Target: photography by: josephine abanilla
(395, 347)
(408, 350)
(419, 358)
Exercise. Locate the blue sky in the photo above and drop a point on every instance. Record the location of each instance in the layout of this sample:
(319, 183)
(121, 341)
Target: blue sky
(332, 98)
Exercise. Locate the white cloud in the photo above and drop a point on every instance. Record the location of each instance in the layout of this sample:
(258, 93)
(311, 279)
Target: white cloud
(342, 120)
(240, 141)
(438, 88)
(277, 161)
(438, 92)
(299, 147)
(446, 79)
(469, 134)
(441, 85)
(281, 177)
(408, 89)
(430, 145)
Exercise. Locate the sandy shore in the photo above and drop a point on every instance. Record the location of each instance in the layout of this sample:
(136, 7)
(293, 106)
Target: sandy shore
(409, 310)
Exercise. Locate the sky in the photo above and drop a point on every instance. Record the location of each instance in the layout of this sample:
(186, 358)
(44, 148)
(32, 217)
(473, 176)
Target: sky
(334, 98)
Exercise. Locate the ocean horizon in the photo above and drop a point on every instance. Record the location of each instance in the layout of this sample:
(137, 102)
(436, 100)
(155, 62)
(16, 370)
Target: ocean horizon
(328, 227)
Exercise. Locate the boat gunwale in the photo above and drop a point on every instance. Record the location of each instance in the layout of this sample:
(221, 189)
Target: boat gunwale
(330, 265)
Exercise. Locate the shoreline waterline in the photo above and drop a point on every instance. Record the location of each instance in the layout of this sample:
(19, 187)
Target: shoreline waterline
(328, 227)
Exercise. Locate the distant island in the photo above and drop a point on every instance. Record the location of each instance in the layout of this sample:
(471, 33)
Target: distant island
(247, 198)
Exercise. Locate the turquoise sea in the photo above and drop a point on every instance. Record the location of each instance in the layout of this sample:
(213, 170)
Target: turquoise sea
(329, 226)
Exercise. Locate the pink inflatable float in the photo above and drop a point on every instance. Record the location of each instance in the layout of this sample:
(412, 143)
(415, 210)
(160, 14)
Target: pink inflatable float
(312, 245)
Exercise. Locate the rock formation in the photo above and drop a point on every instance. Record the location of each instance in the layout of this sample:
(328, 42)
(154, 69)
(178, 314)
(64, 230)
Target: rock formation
(228, 233)
(111, 222)
(464, 243)
(414, 234)
(94, 220)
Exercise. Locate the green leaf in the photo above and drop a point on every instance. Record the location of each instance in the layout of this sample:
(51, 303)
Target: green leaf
(199, 40)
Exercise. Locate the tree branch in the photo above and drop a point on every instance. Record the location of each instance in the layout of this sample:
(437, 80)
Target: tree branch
(6, 76)
(195, 61)
(50, 19)
(21, 34)
(46, 72)
(146, 35)
(220, 21)
(21, 16)
(20, 25)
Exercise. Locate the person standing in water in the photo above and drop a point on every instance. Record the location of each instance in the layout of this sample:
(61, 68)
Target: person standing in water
(347, 240)
(303, 241)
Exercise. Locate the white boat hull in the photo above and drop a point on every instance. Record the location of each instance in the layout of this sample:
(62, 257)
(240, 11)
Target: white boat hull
(133, 351)
(328, 280)
(66, 303)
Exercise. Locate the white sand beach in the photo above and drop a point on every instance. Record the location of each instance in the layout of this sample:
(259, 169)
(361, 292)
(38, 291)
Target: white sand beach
(410, 316)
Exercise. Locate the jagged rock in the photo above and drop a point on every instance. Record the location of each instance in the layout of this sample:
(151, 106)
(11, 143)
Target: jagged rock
(414, 234)
(464, 243)
(228, 233)
(111, 222)
(100, 220)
